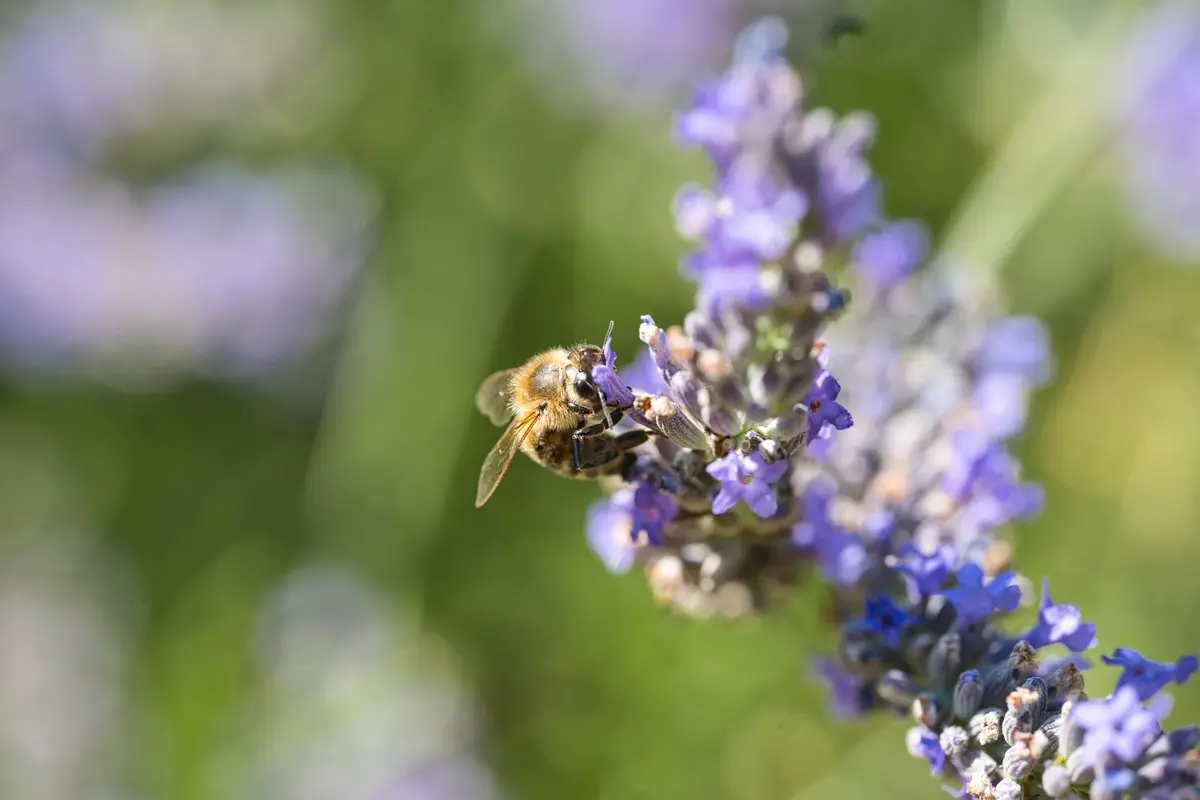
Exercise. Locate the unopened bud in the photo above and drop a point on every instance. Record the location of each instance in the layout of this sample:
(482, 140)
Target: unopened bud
(673, 421)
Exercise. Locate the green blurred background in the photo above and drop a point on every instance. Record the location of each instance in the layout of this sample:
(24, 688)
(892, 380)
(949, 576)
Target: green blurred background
(519, 210)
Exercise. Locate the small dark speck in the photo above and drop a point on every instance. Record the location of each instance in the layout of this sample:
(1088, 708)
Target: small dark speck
(841, 25)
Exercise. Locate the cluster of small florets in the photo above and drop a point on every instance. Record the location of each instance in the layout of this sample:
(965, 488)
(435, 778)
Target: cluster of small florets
(759, 472)
(740, 389)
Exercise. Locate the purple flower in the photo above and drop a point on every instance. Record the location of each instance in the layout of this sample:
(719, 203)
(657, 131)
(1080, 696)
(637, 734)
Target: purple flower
(650, 511)
(983, 479)
(1060, 623)
(926, 573)
(745, 108)
(695, 211)
(1002, 401)
(759, 217)
(643, 374)
(975, 601)
(752, 220)
(656, 338)
(747, 478)
(1119, 729)
(886, 619)
(610, 532)
(630, 52)
(885, 258)
(726, 284)
(840, 555)
(617, 526)
(1159, 104)
(823, 408)
(235, 275)
(1112, 783)
(1149, 677)
(828, 153)
(846, 696)
(924, 743)
(76, 74)
(1019, 346)
(613, 389)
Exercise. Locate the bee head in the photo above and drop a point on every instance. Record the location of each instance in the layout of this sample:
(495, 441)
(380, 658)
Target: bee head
(579, 381)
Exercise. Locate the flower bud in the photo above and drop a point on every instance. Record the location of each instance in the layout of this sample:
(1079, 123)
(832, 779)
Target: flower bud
(1044, 743)
(673, 421)
(1055, 781)
(1026, 709)
(955, 741)
(1018, 762)
(946, 657)
(968, 693)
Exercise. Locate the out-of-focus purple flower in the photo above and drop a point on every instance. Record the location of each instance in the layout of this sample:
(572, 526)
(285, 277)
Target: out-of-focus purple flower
(726, 284)
(651, 510)
(745, 108)
(73, 74)
(886, 618)
(617, 525)
(975, 601)
(1118, 728)
(1149, 677)
(614, 390)
(643, 374)
(846, 697)
(926, 573)
(886, 257)
(610, 531)
(750, 221)
(753, 219)
(823, 409)
(1060, 623)
(1002, 402)
(847, 191)
(225, 273)
(1017, 345)
(747, 478)
(1112, 783)
(622, 53)
(841, 555)
(923, 743)
(983, 478)
(1159, 109)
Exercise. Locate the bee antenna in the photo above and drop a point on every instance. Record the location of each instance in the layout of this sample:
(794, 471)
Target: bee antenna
(607, 416)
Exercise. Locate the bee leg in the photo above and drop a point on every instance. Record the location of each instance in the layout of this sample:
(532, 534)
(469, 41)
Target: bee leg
(598, 452)
(575, 458)
(599, 427)
(582, 411)
(631, 439)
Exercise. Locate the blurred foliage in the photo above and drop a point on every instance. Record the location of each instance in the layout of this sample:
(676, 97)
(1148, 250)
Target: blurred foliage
(509, 226)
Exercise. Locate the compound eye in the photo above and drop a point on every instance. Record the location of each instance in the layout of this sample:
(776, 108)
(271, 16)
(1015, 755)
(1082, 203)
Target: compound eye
(585, 387)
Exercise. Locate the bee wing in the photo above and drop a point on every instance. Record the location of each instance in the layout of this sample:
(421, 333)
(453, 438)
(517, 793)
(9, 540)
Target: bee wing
(492, 396)
(497, 461)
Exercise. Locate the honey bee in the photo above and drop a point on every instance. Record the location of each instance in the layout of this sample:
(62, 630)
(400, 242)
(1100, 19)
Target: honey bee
(552, 402)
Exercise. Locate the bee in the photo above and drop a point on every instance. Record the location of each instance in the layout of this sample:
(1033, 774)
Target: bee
(842, 24)
(551, 403)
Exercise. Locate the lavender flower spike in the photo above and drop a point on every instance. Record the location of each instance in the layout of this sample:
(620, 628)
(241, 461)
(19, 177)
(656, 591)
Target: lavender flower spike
(894, 479)
(743, 390)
